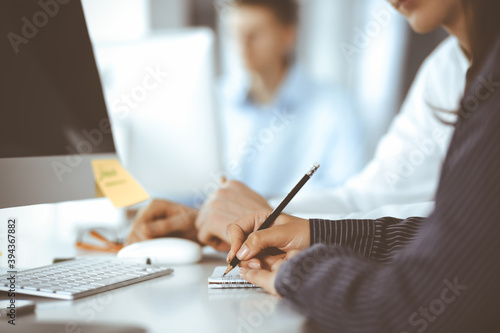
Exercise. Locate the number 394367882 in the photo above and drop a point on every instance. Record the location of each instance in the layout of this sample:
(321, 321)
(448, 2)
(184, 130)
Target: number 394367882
(11, 243)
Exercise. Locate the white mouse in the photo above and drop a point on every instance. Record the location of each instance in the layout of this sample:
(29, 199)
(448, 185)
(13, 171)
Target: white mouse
(163, 251)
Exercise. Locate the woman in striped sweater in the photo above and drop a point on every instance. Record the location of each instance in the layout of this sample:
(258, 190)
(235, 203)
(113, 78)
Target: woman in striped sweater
(438, 274)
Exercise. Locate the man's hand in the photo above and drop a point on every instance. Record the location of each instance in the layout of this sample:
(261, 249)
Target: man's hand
(288, 233)
(229, 203)
(163, 218)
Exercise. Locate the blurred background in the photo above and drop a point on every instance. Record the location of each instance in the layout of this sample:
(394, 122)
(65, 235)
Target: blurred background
(162, 61)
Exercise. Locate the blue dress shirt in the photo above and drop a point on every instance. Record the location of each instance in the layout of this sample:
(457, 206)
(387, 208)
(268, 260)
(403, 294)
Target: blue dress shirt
(270, 147)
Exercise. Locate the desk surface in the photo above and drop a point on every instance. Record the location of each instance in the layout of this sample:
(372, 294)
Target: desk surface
(181, 302)
(178, 303)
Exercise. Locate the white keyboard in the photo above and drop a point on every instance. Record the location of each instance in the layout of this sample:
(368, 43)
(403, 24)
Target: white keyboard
(81, 277)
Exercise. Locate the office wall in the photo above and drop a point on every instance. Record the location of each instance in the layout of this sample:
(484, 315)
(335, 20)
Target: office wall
(168, 14)
(360, 46)
(117, 20)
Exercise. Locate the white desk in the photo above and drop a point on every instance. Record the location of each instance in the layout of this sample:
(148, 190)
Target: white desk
(181, 302)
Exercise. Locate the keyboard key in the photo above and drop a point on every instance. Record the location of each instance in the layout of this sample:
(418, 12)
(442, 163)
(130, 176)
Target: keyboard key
(31, 288)
(47, 290)
(65, 292)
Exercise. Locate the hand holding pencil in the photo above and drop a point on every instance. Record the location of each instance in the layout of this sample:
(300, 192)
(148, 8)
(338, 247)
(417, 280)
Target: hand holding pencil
(260, 264)
(249, 235)
(288, 233)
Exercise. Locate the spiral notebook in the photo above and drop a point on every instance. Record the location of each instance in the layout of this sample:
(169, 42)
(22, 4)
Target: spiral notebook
(231, 280)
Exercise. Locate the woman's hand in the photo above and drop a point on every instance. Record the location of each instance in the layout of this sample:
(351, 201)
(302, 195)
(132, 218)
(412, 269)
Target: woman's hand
(263, 271)
(288, 233)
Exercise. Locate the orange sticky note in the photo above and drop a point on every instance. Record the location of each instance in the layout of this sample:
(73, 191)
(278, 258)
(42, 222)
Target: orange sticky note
(114, 182)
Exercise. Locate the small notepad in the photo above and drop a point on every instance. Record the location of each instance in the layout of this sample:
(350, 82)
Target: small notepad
(231, 280)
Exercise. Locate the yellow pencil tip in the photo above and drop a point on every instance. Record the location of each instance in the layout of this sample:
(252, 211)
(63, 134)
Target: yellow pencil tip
(229, 269)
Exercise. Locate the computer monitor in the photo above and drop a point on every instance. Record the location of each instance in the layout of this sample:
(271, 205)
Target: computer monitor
(52, 111)
(161, 99)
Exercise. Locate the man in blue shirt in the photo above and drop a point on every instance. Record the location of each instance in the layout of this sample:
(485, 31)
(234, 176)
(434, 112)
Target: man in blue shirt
(278, 121)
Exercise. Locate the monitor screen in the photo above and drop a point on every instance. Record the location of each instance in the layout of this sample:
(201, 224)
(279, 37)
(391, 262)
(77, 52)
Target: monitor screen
(52, 111)
(51, 100)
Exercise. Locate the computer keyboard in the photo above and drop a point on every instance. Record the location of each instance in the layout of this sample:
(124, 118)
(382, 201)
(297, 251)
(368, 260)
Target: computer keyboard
(81, 277)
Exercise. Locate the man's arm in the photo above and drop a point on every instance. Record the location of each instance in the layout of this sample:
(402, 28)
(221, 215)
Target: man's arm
(162, 218)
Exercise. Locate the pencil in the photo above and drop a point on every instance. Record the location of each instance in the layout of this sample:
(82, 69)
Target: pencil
(278, 210)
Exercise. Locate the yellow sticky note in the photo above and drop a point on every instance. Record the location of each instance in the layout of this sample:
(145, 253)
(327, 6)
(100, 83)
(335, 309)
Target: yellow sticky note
(114, 182)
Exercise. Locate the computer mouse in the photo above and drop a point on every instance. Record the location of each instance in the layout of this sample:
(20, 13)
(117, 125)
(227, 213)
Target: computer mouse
(163, 251)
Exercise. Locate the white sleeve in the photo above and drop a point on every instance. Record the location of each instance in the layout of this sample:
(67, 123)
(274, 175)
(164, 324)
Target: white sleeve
(408, 159)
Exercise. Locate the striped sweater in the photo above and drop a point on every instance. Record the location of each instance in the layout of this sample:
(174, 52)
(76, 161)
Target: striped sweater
(439, 274)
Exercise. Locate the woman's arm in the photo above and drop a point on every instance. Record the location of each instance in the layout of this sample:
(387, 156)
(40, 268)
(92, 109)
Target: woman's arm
(375, 239)
(446, 279)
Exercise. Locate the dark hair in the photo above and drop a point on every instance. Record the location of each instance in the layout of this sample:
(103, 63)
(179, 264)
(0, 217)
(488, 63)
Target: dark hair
(483, 27)
(286, 11)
